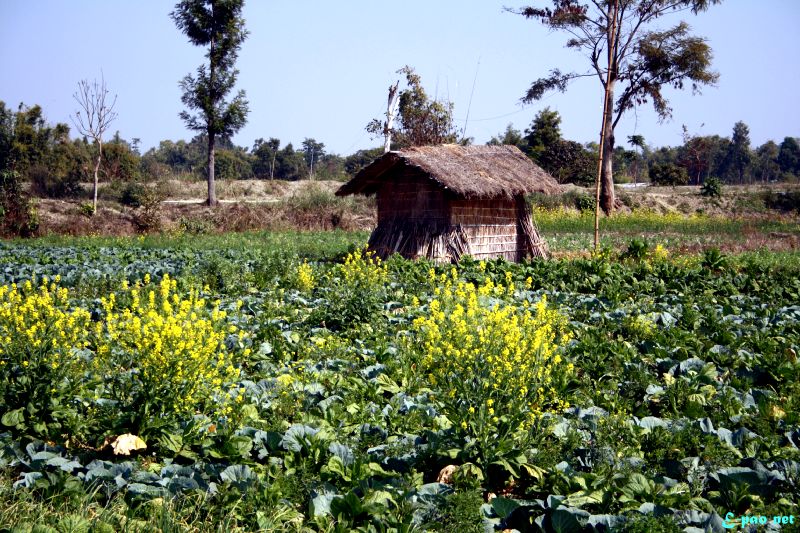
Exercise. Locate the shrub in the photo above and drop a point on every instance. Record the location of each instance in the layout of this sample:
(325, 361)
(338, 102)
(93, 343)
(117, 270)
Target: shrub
(18, 214)
(492, 365)
(668, 174)
(637, 250)
(146, 217)
(783, 200)
(712, 188)
(41, 360)
(584, 202)
(132, 194)
(86, 209)
(45, 183)
(194, 226)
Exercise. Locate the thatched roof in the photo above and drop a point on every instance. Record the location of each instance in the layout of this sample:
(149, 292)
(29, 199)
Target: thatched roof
(469, 171)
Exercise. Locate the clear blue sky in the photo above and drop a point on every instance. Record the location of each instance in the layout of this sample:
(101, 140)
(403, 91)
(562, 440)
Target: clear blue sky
(321, 69)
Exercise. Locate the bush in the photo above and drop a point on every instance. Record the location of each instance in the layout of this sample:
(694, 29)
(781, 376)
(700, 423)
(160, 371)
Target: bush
(584, 202)
(18, 214)
(668, 174)
(45, 183)
(637, 250)
(146, 217)
(86, 209)
(573, 198)
(783, 200)
(132, 194)
(712, 188)
(194, 226)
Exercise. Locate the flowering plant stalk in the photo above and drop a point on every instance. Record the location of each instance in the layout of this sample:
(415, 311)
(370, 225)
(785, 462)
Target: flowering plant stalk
(170, 351)
(491, 364)
(41, 340)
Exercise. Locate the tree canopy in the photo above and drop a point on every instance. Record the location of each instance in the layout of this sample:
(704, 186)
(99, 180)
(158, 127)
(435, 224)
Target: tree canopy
(614, 36)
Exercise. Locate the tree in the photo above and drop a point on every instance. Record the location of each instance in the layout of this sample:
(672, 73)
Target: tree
(421, 121)
(738, 157)
(121, 162)
(511, 136)
(312, 151)
(544, 132)
(765, 163)
(637, 141)
(789, 156)
(355, 162)
(570, 162)
(6, 135)
(265, 153)
(93, 119)
(290, 164)
(217, 24)
(695, 155)
(613, 35)
(668, 174)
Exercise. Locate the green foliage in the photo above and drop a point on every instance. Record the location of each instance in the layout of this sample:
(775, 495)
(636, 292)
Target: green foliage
(133, 194)
(120, 162)
(18, 215)
(570, 162)
(225, 28)
(173, 351)
(420, 120)
(543, 133)
(355, 288)
(782, 200)
(42, 357)
(635, 74)
(461, 512)
(510, 136)
(45, 183)
(684, 395)
(86, 209)
(789, 156)
(637, 250)
(221, 28)
(712, 188)
(668, 174)
(738, 158)
(148, 199)
(492, 367)
(233, 165)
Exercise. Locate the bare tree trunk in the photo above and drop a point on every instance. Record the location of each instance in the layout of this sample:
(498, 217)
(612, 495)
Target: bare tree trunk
(96, 171)
(272, 166)
(212, 192)
(607, 198)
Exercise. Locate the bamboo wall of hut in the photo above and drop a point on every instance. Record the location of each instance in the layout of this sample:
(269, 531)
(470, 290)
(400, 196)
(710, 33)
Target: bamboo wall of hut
(447, 201)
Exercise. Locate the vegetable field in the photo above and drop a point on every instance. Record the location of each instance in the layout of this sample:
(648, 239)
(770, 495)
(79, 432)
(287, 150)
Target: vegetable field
(306, 386)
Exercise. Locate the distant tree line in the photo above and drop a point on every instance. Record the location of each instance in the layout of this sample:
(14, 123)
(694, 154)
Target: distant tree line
(730, 159)
(55, 164)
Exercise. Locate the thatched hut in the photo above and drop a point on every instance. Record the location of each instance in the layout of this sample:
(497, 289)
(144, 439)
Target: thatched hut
(442, 202)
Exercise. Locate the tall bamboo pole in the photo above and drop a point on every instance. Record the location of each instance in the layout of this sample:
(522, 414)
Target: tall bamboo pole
(612, 46)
